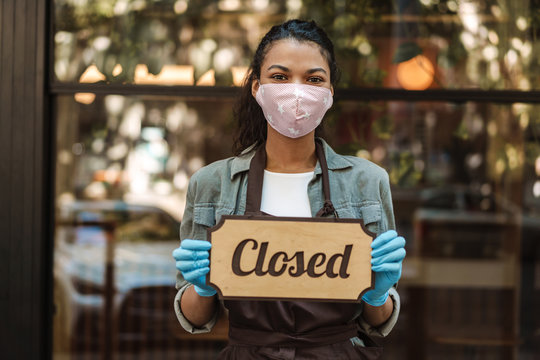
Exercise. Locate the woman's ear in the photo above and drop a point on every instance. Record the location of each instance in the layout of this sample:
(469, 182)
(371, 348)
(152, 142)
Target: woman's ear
(332, 90)
(254, 87)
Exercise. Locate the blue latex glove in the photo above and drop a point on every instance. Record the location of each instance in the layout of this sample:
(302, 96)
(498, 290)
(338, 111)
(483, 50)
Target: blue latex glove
(388, 251)
(192, 261)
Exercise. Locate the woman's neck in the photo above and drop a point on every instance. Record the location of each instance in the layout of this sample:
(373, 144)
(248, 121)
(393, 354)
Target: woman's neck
(286, 155)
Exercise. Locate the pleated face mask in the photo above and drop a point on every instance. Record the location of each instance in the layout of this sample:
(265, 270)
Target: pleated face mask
(294, 110)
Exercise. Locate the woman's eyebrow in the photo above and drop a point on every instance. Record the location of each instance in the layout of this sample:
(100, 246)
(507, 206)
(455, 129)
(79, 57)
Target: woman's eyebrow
(311, 71)
(281, 67)
(286, 69)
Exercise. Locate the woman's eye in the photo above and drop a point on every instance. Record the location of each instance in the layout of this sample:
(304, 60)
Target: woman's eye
(279, 77)
(315, 79)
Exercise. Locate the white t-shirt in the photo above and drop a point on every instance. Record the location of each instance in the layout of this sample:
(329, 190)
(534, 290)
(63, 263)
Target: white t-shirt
(285, 194)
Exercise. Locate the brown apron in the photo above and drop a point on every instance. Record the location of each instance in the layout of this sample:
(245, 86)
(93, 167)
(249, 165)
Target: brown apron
(292, 329)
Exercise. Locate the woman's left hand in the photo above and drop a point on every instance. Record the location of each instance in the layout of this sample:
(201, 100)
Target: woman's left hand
(388, 252)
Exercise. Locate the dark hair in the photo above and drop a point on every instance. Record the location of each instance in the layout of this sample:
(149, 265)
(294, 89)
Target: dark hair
(251, 122)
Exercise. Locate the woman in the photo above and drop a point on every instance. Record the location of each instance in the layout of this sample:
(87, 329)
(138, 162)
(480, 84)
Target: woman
(282, 169)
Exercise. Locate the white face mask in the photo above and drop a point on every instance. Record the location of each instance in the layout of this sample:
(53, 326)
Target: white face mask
(294, 110)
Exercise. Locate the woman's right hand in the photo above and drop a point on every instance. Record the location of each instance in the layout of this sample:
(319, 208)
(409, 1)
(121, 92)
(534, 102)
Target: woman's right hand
(192, 261)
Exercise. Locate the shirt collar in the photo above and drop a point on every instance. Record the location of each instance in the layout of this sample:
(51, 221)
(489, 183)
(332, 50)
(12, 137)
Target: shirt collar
(241, 162)
(335, 162)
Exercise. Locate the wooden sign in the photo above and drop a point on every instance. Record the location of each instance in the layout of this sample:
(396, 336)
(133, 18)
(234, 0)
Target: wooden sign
(266, 257)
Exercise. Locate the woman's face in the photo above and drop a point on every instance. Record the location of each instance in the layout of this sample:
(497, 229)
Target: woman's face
(292, 61)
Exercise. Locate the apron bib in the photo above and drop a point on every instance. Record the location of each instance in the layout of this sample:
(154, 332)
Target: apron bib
(292, 329)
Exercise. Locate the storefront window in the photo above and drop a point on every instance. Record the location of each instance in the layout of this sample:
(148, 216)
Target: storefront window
(465, 176)
(465, 189)
(415, 45)
(465, 192)
(123, 166)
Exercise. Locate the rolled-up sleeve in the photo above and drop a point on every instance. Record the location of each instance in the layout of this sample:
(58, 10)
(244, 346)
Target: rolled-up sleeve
(384, 329)
(189, 327)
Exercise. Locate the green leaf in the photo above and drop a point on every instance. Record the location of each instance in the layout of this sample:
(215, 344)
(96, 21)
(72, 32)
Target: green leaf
(154, 65)
(406, 51)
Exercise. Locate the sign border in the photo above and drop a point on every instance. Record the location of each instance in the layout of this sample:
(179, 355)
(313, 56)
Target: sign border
(220, 223)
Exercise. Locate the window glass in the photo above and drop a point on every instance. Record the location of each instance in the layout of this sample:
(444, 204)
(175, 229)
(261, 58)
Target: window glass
(122, 171)
(466, 192)
(466, 196)
(130, 148)
(416, 45)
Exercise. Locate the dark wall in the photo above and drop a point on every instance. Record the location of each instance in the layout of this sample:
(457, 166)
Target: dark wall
(25, 178)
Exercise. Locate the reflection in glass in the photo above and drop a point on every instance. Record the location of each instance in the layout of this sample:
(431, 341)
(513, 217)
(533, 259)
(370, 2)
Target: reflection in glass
(463, 193)
(130, 148)
(464, 180)
(123, 167)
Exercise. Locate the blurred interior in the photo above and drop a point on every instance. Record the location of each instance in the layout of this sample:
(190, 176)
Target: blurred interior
(465, 176)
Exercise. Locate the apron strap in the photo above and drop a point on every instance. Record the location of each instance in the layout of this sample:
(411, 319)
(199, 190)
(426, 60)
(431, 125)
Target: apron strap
(256, 176)
(328, 207)
(255, 181)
